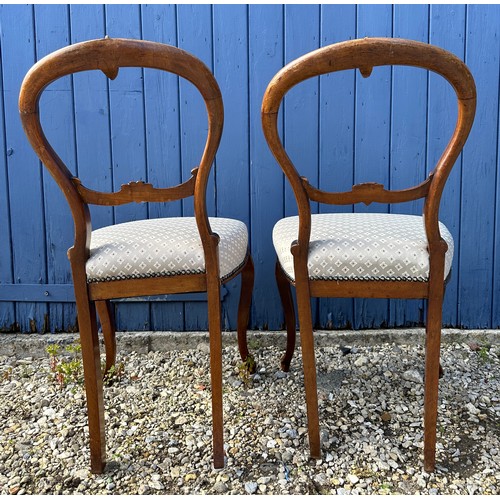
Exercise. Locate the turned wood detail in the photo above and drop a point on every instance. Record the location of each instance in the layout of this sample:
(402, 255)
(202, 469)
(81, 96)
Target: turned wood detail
(137, 191)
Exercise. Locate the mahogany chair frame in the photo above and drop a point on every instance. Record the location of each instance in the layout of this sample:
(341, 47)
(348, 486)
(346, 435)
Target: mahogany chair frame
(108, 55)
(364, 54)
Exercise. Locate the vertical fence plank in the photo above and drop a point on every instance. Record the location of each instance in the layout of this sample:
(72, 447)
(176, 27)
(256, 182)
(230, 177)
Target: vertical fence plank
(479, 170)
(266, 178)
(372, 152)
(91, 114)
(91, 109)
(301, 102)
(161, 95)
(336, 155)
(56, 111)
(24, 169)
(232, 180)
(195, 35)
(447, 30)
(495, 316)
(300, 106)
(7, 309)
(408, 136)
(128, 145)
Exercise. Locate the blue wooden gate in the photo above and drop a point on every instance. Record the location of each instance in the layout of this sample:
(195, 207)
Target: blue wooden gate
(340, 128)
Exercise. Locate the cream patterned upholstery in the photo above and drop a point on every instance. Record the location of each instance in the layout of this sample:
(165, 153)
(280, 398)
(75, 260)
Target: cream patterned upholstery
(162, 247)
(359, 246)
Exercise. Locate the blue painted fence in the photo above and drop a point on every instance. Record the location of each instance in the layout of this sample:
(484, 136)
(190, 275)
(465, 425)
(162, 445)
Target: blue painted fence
(340, 129)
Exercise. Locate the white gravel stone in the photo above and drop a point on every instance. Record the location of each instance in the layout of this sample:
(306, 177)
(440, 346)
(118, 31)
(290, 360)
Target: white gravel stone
(157, 485)
(352, 478)
(413, 376)
(361, 361)
(472, 409)
(220, 487)
(251, 487)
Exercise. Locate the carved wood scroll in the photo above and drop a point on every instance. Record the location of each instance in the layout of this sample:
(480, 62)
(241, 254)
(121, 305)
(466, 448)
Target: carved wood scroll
(367, 193)
(137, 192)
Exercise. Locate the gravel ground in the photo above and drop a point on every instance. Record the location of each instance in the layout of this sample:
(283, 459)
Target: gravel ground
(159, 427)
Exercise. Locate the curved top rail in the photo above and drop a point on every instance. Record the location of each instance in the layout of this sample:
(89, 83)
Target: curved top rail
(364, 54)
(109, 55)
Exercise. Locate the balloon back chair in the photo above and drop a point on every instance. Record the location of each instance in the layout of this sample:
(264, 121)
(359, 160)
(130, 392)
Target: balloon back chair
(146, 257)
(366, 254)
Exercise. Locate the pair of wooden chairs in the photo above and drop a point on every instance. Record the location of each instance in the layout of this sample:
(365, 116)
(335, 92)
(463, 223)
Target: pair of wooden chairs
(334, 255)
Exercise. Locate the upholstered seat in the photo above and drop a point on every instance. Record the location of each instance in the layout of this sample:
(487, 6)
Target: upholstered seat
(362, 246)
(162, 247)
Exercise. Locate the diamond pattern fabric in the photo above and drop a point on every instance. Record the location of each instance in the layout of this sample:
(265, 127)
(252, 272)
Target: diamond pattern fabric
(162, 247)
(349, 246)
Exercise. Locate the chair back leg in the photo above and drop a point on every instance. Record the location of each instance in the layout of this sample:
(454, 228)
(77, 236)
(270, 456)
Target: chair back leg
(285, 292)
(105, 312)
(247, 280)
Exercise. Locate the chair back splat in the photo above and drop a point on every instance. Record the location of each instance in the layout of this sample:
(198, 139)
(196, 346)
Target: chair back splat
(145, 257)
(366, 254)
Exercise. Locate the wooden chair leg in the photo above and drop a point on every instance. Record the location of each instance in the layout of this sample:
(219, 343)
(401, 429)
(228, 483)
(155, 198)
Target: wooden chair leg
(309, 363)
(215, 336)
(432, 372)
(289, 313)
(247, 280)
(105, 312)
(89, 339)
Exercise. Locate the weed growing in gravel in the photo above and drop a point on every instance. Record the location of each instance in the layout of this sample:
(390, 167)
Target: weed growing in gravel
(53, 352)
(484, 353)
(246, 369)
(115, 373)
(70, 371)
(253, 344)
(65, 372)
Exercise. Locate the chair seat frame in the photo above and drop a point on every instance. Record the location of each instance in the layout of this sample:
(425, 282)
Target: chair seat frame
(365, 54)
